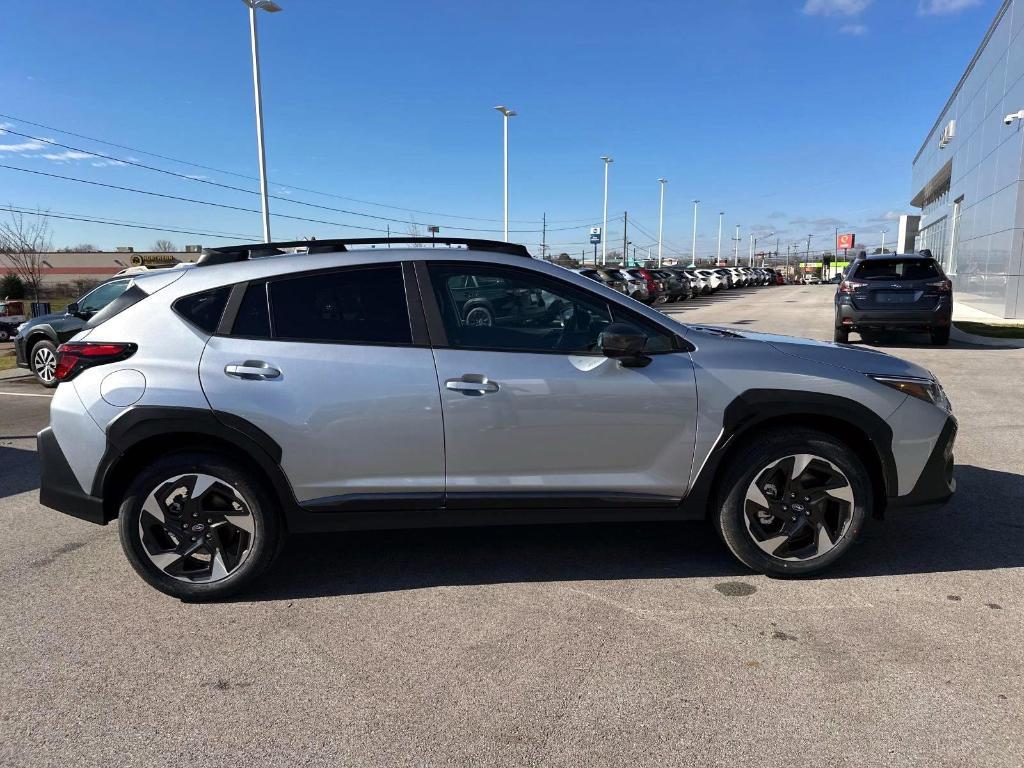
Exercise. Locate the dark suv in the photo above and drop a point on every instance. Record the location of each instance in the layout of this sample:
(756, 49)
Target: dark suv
(35, 346)
(906, 292)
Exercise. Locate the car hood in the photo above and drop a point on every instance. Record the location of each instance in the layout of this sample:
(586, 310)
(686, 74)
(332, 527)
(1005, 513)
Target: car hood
(860, 359)
(42, 320)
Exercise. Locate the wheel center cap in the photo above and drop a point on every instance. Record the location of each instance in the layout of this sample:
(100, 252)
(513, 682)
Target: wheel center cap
(798, 507)
(198, 527)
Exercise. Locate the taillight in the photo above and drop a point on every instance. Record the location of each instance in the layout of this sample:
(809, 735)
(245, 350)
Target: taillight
(942, 286)
(849, 286)
(75, 356)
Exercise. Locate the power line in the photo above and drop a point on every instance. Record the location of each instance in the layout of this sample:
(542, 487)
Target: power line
(582, 222)
(115, 223)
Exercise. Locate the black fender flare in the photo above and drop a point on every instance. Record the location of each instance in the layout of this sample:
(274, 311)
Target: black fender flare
(140, 423)
(753, 408)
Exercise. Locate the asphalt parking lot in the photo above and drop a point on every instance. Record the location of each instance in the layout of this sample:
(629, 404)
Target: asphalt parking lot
(642, 644)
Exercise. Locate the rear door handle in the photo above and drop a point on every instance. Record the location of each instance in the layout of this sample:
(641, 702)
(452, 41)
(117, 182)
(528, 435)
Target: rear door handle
(471, 384)
(252, 370)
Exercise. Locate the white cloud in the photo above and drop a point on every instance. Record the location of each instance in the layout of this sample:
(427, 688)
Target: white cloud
(63, 157)
(944, 7)
(841, 7)
(196, 176)
(857, 30)
(104, 163)
(25, 146)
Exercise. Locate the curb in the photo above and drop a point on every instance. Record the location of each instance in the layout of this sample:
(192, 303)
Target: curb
(984, 341)
(14, 373)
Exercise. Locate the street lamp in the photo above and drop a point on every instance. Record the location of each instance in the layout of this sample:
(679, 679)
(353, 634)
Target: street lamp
(661, 216)
(718, 255)
(507, 112)
(270, 7)
(693, 252)
(604, 219)
(884, 233)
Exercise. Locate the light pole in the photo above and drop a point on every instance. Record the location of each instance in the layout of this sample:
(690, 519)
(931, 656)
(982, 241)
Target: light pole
(736, 247)
(604, 219)
(661, 215)
(884, 232)
(693, 251)
(270, 7)
(718, 255)
(507, 114)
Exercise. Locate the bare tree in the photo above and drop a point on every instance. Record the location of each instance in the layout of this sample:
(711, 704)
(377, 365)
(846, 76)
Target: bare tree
(24, 239)
(164, 246)
(80, 248)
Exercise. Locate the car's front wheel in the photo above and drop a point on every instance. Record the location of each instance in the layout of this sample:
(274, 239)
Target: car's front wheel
(197, 527)
(841, 335)
(793, 502)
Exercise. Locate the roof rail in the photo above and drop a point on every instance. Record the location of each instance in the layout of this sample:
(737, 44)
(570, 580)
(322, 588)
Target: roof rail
(234, 253)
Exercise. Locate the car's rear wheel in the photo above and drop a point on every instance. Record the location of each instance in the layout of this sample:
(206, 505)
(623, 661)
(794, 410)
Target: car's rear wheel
(940, 336)
(197, 527)
(793, 503)
(841, 335)
(43, 362)
(479, 317)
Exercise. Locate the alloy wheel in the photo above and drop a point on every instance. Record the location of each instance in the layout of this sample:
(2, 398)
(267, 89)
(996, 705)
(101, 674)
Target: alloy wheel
(44, 363)
(798, 507)
(196, 528)
(478, 316)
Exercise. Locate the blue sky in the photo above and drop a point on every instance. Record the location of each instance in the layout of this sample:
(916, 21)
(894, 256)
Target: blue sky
(788, 115)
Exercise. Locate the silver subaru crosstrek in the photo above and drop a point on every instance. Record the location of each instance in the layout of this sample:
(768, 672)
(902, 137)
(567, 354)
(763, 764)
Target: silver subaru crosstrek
(332, 385)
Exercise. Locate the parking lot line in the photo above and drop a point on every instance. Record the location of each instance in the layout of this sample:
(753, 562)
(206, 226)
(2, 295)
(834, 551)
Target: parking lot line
(24, 394)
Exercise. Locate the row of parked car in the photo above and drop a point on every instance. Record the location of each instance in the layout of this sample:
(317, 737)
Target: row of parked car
(665, 284)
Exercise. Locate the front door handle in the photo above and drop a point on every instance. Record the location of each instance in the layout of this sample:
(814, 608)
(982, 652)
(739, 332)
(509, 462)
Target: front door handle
(471, 384)
(252, 370)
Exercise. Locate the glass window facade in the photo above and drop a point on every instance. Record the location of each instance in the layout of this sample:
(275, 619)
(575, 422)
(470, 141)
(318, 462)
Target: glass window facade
(970, 191)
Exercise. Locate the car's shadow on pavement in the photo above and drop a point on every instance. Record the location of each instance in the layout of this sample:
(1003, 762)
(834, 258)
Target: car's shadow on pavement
(19, 470)
(981, 529)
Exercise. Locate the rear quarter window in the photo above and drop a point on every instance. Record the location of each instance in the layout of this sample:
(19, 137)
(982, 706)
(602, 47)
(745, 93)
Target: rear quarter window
(203, 310)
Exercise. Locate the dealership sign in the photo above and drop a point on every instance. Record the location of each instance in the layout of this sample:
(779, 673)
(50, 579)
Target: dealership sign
(845, 242)
(595, 235)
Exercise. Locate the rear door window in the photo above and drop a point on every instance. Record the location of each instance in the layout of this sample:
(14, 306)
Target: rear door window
(356, 306)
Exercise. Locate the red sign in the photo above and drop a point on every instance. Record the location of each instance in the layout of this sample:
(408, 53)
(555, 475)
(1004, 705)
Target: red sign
(845, 242)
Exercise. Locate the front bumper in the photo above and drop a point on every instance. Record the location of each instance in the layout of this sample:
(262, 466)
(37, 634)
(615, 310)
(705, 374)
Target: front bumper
(20, 353)
(58, 487)
(936, 484)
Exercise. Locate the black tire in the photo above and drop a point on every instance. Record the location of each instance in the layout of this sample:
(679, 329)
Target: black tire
(5, 335)
(258, 549)
(736, 518)
(479, 315)
(940, 336)
(841, 335)
(39, 357)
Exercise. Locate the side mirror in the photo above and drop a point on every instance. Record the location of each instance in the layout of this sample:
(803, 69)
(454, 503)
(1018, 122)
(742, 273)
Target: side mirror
(72, 308)
(624, 343)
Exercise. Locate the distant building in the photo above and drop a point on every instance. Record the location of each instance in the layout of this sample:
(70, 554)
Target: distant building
(73, 270)
(967, 174)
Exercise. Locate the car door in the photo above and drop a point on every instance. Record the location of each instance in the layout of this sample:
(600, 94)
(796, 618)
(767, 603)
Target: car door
(329, 365)
(533, 410)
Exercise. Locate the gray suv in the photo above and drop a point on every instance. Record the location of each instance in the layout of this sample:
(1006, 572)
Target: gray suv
(328, 386)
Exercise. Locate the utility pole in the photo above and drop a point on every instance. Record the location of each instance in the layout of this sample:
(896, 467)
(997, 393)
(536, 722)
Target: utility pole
(718, 256)
(808, 248)
(544, 237)
(693, 254)
(625, 242)
(753, 242)
(776, 250)
(604, 220)
(736, 248)
(661, 217)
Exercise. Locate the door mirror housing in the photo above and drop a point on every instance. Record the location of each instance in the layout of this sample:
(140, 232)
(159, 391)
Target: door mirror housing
(625, 343)
(73, 309)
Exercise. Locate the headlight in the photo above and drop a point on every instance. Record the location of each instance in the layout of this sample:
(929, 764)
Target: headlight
(928, 390)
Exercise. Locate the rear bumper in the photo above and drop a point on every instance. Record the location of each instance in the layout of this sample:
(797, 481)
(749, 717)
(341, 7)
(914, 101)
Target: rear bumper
(58, 487)
(936, 484)
(851, 317)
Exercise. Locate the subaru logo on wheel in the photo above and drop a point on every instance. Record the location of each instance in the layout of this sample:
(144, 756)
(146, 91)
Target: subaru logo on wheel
(198, 527)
